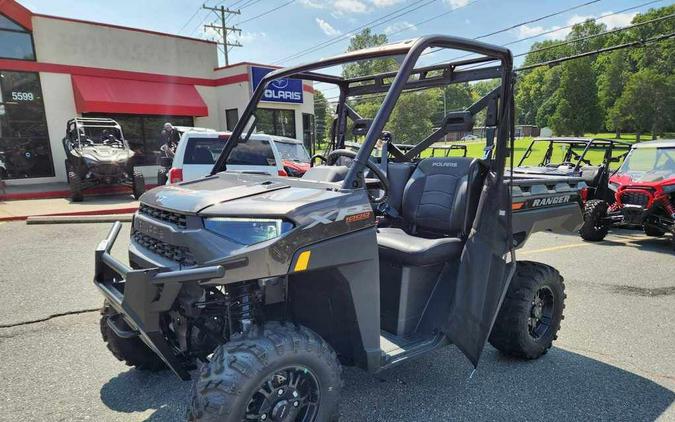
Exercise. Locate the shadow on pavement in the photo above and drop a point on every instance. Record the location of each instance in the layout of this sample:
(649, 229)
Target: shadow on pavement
(663, 244)
(560, 386)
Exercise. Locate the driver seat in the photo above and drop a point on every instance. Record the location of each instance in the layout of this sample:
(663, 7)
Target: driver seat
(438, 206)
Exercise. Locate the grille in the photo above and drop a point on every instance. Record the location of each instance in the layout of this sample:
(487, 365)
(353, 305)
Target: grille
(167, 216)
(635, 198)
(107, 170)
(179, 254)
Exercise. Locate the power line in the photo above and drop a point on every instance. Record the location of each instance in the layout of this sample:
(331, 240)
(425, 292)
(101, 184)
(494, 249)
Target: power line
(559, 29)
(559, 12)
(266, 12)
(375, 22)
(631, 44)
(433, 18)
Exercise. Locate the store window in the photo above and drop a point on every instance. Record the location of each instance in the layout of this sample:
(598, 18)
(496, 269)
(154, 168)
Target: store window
(15, 41)
(24, 140)
(276, 122)
(231, 118)
(143, 133)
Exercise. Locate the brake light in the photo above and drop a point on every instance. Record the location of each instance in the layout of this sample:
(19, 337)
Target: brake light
(175, 175)
(282, 172)
(584, 194)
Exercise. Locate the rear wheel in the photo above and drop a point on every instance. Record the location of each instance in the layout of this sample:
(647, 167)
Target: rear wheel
(277, 373)
(653, 231)
(162, 176)
(138, 184)
(75, 184)
(131, 351)
(594, 228)
(530, 316)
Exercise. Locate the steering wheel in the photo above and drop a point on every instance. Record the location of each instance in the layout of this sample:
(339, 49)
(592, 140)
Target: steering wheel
(315, 157)
(382, 181)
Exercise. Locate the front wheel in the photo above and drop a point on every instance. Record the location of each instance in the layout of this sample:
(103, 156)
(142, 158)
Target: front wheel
(530, 316)
(138, 184)
(131, 350)
(280, 372)
(594, 228)
(75, 184)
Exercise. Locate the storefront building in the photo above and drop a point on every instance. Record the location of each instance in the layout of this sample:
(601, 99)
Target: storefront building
(53, 69)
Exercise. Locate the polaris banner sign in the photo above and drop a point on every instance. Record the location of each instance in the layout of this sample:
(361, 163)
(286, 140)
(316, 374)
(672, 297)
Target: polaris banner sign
(285, 90)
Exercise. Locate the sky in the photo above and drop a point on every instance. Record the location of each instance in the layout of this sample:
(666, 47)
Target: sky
(288, 32)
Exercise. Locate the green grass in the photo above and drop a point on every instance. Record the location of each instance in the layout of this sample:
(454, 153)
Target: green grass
(475, 149)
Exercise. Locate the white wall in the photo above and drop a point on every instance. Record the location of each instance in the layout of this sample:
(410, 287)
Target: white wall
(82, 44)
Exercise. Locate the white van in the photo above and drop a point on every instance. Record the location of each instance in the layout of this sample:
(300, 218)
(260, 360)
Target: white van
(197, 152)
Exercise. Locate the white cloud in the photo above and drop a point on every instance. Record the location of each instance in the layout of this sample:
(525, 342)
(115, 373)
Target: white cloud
(326, 27)
(457, 3)
(337, 7)
(249, 37)
(618, 20)
(400, 27)
(385, 3)
(349, 6)
(614, 21)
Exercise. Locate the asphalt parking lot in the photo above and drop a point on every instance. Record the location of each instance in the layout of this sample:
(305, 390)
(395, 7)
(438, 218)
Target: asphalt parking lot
(614, 359)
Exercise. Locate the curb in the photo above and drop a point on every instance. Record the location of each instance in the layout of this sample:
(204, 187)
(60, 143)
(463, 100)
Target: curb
(127, 210)
(81, 219)
(96, 191)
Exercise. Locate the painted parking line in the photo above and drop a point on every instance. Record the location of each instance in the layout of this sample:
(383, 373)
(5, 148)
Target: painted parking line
(554, 248)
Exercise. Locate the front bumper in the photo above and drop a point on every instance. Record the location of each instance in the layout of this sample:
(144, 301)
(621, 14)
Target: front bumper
(140, 296)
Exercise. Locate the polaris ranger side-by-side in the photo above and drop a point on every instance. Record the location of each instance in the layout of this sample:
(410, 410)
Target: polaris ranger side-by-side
(268, 285)
(575, 159)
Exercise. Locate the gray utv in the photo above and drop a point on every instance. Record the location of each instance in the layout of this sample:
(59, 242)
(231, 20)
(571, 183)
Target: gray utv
(261, 287)
(97, 154)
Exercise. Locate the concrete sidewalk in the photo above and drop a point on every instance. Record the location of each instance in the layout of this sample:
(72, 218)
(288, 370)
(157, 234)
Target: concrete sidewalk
(101, 205)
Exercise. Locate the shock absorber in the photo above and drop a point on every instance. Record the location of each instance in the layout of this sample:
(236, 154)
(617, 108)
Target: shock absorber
(668, 205)
(241, 304)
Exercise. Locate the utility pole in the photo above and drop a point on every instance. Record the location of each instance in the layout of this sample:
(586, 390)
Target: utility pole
(222, 12)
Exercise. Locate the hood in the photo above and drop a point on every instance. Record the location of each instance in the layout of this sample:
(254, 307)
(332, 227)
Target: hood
(296, 168)
(646, 178)
(106, 153)
(237, 193)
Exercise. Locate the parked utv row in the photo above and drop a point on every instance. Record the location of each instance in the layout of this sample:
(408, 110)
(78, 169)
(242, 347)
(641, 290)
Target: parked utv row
(261, 287)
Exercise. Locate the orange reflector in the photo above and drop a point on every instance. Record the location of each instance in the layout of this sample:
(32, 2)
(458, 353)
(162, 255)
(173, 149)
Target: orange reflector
(303, 261)
(517, 205)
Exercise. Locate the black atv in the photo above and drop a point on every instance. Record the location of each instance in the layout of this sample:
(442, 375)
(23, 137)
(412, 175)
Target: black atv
(574, 160)
(267, 285)
(98, 154)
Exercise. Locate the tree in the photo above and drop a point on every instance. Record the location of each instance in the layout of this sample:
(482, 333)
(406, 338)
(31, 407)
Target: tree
(577, 111)
(647, 103)
(321, 110)
(368, 39)
(611, 82)
(411, 119)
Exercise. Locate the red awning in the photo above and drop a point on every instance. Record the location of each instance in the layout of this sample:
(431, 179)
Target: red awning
(109, 95)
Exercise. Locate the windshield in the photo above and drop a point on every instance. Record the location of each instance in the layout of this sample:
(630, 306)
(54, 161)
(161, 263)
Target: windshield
(96, 135)
(293, 152)
(649, 161)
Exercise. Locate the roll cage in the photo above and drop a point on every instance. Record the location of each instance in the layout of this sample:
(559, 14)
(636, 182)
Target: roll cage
(499, 116)
(75, 129)
(585, 144)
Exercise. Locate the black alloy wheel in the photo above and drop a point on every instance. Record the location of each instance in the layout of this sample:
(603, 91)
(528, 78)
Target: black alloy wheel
(289, 394)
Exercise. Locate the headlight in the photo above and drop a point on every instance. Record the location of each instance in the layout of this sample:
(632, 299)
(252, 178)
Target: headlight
(669, 189)
(247, 231)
